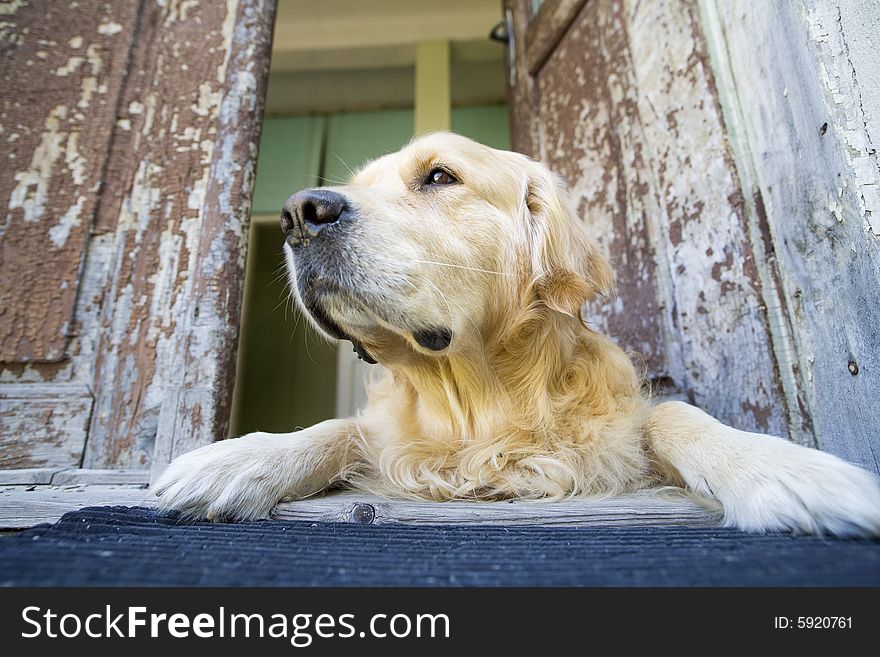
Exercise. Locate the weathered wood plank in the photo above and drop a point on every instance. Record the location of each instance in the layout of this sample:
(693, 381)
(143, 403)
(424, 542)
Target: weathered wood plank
(75, 476)
(591, 132)
(630, 117)
(130, 115)
(27, 476)
(171, 110)
(198, 397)
(21, 508)
(522, 99)
(642, 509)
(43, 426)
(546, 28)
(182, 162)
(799, 84)
(716, 291)
(63, 387)
(62, 70)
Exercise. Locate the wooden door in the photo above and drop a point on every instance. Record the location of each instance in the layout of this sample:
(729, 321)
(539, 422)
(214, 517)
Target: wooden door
(129, 137)
(709, 154)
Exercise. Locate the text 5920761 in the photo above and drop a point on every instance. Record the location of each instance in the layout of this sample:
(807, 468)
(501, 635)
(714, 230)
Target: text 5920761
(812, 622)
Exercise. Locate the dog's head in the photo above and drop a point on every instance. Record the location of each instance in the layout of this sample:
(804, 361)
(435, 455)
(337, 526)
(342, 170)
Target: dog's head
(430, 249)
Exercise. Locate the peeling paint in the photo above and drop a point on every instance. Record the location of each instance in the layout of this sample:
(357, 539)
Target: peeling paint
(59, 233)
(809, 158)
(72, 66)
(51, 171)
(49, 432)
(629, 115)
(11, 6)
(142, 305)
(161, 258)
(109, 28)
(203, 396)
(844, 99)
(31, 192)
(590, 136)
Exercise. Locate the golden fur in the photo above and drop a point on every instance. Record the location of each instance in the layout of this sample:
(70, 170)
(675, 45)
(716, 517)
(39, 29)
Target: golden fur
(525, 401)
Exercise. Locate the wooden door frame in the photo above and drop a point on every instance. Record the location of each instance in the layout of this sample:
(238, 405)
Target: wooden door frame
(152, 344)
(197, 406)
(788, 89)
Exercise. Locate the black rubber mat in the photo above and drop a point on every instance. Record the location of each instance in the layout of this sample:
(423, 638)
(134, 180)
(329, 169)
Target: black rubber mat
(106, 546)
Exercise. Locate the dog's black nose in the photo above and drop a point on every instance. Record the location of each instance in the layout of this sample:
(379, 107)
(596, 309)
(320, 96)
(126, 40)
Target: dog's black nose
(311, 210)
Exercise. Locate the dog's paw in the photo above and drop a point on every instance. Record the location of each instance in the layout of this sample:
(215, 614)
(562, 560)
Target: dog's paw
(236, 479)
(803, 490)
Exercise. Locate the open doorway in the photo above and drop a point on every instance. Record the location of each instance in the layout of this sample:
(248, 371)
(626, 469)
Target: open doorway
(348, 83)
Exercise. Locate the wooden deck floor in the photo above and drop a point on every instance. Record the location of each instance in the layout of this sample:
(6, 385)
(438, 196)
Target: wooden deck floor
(642, 509)
(30, 497)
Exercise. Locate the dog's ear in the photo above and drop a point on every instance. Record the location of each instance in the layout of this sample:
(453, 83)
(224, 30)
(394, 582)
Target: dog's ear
(568, 266)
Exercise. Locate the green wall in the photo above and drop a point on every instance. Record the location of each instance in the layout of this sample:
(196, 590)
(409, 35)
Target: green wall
(354, 138)
(487, 124)
(297, 152)
(287, 372)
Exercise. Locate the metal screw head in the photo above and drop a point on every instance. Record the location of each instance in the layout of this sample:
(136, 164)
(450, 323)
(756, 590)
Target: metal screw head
(363, 514)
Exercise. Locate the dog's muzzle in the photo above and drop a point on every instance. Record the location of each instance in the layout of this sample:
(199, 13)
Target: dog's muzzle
(304, 216)
(319, 214)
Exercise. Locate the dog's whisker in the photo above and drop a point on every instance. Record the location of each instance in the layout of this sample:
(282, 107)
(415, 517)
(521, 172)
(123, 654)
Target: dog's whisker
(278, 276)
(306, 335)
(332, 181)
(449, 264)
(347, 168)
(278, 305)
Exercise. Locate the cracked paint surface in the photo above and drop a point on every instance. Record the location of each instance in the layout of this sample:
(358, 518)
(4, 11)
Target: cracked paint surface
(630, 118)
(805, 131)
(149, 222)
(166, 273)
(55, 131)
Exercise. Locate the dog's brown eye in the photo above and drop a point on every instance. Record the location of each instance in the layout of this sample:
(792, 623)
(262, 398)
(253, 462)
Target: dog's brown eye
(440, 177)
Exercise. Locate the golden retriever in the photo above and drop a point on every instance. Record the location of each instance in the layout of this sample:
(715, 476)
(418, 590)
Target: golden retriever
(463, 270)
